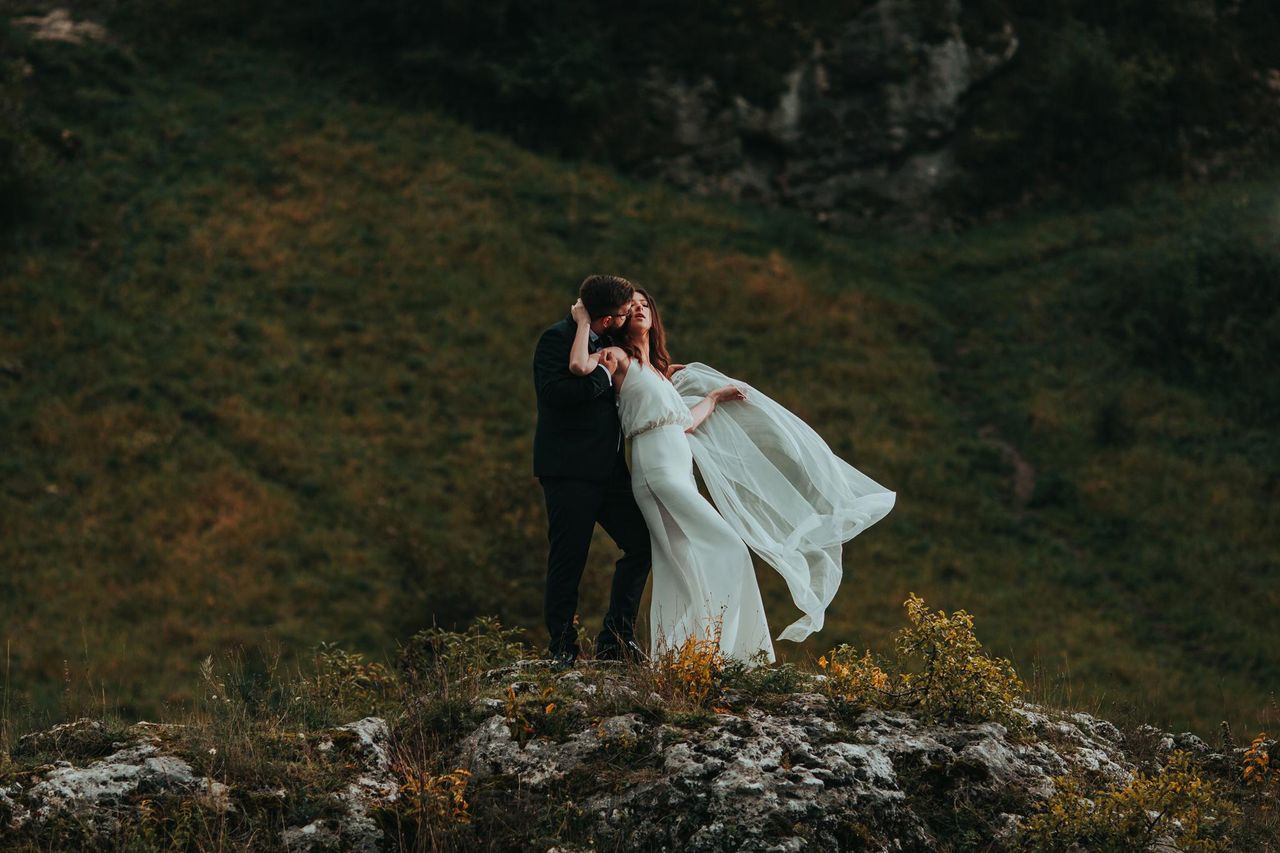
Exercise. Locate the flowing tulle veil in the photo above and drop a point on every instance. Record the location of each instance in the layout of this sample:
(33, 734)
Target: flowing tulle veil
(779, 486)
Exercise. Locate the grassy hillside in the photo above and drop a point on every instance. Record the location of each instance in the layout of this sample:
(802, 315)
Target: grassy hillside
(271, 387)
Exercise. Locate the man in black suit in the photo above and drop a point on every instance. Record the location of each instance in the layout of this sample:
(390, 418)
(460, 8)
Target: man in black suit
(578, 458)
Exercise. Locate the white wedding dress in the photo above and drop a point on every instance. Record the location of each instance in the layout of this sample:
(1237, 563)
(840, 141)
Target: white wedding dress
(778, 488)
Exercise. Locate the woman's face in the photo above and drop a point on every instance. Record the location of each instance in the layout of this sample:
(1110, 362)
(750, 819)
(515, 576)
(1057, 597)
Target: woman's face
(641, 319)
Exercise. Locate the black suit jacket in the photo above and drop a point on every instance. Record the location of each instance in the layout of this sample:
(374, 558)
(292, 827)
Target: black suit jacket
(578, 433)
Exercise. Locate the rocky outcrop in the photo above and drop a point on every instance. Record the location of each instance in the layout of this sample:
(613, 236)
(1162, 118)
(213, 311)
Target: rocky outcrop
(96, 792)
(794, 772)
(374, 785)
(861, 130)
(752, 780)
(97, 795)
(805, 774)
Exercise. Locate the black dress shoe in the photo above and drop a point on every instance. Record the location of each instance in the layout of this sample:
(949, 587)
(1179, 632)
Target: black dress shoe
(632, 652)
(608, 653)
(626, 650)
(561, 661)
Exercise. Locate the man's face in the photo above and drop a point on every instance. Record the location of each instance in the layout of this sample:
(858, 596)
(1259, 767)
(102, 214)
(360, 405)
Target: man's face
(618, 318)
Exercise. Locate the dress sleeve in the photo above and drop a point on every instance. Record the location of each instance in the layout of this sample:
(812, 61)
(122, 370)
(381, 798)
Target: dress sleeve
(780, 487)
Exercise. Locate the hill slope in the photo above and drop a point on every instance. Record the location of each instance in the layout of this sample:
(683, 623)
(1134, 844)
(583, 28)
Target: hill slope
(271, 387)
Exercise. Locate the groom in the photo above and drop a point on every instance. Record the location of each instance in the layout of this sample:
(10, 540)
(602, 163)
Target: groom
(578, 459)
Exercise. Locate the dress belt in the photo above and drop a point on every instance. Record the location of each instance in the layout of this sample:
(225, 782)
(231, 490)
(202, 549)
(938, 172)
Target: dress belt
(651, 427)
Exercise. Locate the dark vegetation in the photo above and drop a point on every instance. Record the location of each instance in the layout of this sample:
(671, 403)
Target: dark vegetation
(1101, 96)
(22, 157)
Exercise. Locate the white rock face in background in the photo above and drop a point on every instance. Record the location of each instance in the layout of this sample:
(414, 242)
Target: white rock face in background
(59, 26)
(861, 129)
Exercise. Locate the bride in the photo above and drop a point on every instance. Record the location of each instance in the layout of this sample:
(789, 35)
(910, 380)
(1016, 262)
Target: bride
(779, 489)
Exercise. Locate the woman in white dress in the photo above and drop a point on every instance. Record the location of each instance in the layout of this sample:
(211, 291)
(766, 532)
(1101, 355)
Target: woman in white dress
(777, 486)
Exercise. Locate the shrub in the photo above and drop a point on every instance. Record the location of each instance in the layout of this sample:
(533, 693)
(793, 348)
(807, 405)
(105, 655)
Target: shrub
(432, 812)
(1258, 822)
(542, 714)
(438, 798)
(452, 655)
(691, 671)
(947, 675)
(1176, 801)
(1102, 95)
(759, 678)
(1257, 768)
(441, 673)
(346, 682)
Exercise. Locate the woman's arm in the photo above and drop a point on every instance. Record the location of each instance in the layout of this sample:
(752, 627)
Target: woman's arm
(584, 369)
(708, 404)
(581, 361)
(555, 385)
(615, 360)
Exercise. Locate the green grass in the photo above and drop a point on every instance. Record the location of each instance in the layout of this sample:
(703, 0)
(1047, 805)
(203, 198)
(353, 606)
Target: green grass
(273, 388)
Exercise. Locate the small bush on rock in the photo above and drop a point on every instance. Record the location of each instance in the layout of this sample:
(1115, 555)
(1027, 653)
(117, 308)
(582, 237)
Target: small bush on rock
(1175, 802)
(346, 680)
(441, 672)
(538, 713)
(943, 672)
(454, 655)
(1257, 767)
(441, 798)
(691, 671)
(758, 678)
(1258, 823)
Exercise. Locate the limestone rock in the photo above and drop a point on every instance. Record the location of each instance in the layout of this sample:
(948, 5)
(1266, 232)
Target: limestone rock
(96, 791)
(96, 794)
(72, 735)
(368, 743)
(58, 25)
(799, 777)
(790, 773)
(860, 131)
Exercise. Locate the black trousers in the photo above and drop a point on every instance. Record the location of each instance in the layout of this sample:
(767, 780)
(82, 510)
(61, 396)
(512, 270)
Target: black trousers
(573, 509)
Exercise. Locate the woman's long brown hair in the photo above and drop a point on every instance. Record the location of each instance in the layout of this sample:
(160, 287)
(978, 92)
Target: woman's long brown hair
(659, 358)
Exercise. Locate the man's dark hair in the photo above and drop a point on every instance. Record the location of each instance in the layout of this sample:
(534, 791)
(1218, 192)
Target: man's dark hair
(603, 294)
